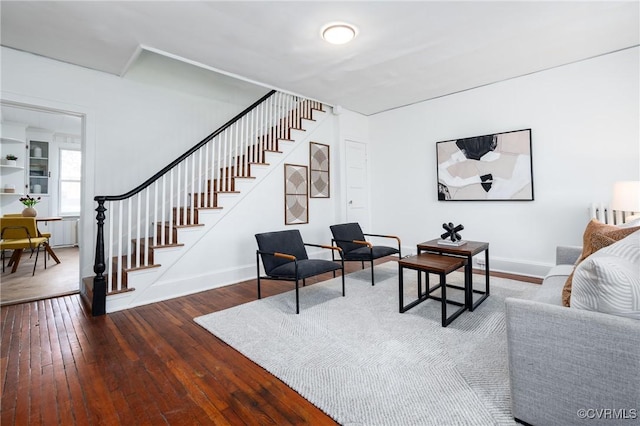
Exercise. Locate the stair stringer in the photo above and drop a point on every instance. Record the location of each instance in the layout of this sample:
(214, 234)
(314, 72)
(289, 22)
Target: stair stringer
(156, 284)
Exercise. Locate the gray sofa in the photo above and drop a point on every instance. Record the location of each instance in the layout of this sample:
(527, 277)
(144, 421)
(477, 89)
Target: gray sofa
(569, 366)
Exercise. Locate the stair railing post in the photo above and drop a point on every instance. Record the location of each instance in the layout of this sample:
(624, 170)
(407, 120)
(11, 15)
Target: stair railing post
(99, 302)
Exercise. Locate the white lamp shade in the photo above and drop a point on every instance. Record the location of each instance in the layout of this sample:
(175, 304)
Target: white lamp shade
(626, 196)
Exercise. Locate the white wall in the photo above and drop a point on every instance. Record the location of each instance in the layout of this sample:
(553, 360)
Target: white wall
(133, 126)
(585, 135)
(352, 126)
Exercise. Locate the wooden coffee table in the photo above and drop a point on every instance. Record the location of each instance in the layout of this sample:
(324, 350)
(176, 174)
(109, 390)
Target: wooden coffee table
(432, 264)
(466, 251)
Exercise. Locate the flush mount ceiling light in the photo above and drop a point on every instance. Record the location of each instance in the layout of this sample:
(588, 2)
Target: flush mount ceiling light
(339, 33)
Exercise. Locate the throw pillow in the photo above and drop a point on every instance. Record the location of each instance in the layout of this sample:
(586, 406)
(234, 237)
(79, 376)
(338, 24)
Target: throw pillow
(609, 281)
(595, 230)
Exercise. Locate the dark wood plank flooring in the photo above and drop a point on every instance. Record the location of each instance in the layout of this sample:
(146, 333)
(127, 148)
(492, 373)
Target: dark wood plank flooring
(149, 365)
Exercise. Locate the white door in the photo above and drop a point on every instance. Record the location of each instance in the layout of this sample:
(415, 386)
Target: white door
(357, 183)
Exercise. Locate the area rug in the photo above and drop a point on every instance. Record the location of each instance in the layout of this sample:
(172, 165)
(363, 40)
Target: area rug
(363, 363)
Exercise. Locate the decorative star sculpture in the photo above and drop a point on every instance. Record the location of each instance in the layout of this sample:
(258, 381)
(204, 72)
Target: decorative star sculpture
(452, 232)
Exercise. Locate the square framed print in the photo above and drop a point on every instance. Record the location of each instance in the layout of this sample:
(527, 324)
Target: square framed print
(319, 170)
(495, 167)
(296, 195)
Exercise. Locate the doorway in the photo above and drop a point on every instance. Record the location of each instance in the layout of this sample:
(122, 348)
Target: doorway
(48, 136)
(357, 188)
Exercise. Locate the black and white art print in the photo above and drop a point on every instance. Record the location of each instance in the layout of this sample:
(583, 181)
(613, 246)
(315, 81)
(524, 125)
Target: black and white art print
(296, 194)
(319, 170)
(494, 167)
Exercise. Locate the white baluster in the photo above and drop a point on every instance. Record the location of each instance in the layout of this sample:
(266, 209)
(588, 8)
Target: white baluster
(219, 163)
(109, 259)
(163, 234)
(127, 241)
(138, 213)
(185, 192)
(120, 254)
(147, 215)
(170, 230)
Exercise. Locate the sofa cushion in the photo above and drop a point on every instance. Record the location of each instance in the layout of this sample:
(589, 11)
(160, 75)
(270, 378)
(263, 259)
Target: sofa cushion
(592, 241)
(609, 281)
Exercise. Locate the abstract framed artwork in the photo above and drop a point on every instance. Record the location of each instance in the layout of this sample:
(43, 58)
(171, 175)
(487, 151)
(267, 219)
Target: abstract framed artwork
(495, 167)
(319, 170)
(296, 195)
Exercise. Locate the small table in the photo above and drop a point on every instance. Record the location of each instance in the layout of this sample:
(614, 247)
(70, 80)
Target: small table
(466, 251)
(434, 264)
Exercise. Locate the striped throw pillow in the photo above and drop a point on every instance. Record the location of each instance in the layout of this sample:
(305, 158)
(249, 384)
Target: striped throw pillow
(608, 281)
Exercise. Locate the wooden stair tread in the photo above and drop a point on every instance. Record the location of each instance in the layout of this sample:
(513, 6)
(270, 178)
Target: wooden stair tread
(141, 267)
(182, 226)
(88, 283)
(209, 208)
(143, 242)
(124, 290)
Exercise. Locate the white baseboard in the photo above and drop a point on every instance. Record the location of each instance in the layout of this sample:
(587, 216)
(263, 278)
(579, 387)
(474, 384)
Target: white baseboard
(529, 269)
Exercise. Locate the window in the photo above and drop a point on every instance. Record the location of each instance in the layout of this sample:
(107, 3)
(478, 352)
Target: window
(70, 174)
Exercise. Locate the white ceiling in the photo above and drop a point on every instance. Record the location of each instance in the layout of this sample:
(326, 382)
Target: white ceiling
(405, 52)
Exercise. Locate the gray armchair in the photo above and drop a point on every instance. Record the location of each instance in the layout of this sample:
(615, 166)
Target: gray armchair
(350, 238)
(284, 258)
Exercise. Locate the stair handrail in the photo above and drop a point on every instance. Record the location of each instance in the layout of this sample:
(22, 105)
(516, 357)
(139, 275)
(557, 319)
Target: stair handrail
(181, 158)
(99, 296)
(149, 216)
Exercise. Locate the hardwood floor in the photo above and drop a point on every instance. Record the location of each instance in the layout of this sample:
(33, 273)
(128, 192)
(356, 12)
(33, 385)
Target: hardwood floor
(58, 279)
(147, 365)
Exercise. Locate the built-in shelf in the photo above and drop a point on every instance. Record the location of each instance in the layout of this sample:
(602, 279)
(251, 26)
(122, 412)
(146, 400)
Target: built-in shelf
(13, 173)
(39, 167)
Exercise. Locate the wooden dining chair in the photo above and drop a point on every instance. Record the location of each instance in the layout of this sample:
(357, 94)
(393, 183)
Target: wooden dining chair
(47, 235)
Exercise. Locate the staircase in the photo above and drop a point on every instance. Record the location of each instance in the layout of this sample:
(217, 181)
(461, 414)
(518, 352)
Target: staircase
(152, 226)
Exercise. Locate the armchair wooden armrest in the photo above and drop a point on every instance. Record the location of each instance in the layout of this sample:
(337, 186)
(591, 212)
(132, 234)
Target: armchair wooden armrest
(361, 242)
(386, 236)
(285, 256)
(277, 254)
(323, 246)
